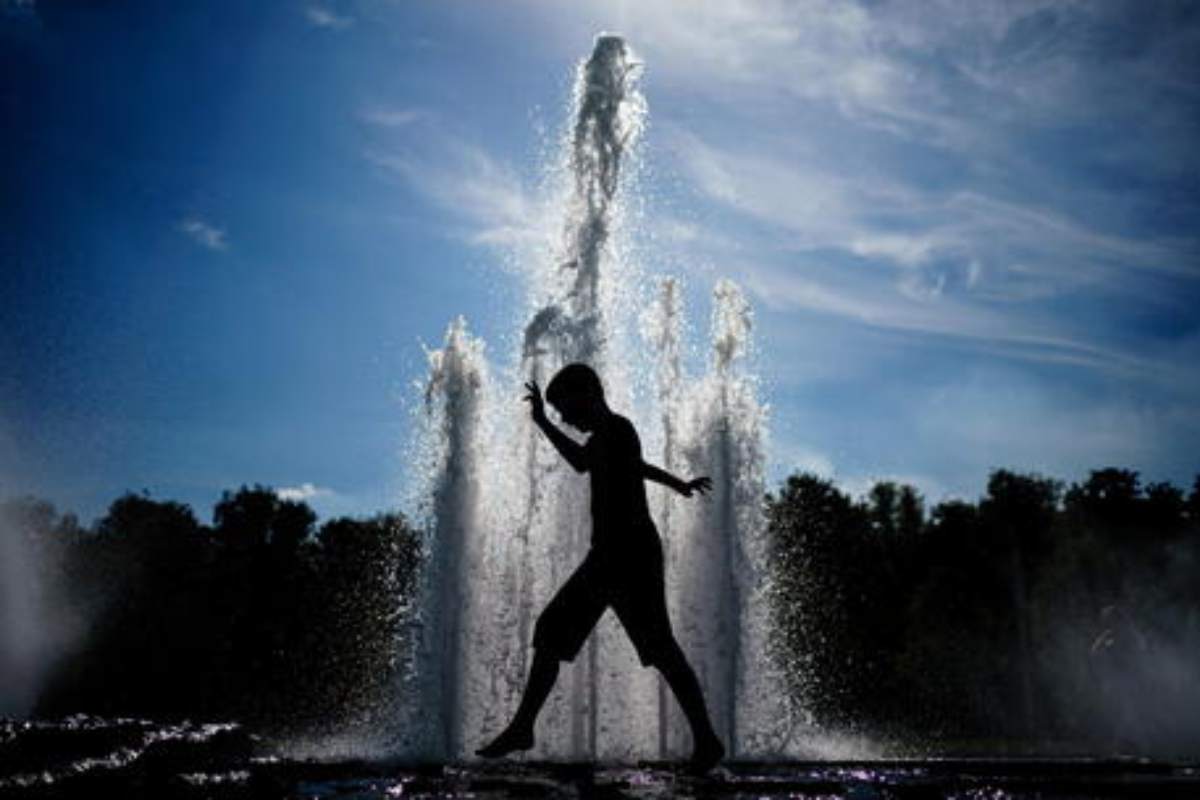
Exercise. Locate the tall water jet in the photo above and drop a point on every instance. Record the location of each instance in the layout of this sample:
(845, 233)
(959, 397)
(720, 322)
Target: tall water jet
(453, 400)
(715, 559)
(577, 325)
(608, 112)
(507, 523)
(662, 327)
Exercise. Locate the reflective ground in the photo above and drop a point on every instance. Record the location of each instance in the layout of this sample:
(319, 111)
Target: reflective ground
(85, 757)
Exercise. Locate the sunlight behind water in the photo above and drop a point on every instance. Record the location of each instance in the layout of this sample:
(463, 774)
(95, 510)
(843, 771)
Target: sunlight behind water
(507, 523)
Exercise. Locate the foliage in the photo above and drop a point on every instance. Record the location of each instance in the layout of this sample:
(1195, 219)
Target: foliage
(1041, 611)
(261, 616)
(1033, 613)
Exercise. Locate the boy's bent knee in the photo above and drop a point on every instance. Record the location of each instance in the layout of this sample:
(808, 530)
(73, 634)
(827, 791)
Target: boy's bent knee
(550, 652)
(661, 656)
(667, 658)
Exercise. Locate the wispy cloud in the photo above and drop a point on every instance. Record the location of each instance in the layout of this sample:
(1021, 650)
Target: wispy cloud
(918, 134)
(465, 179)
(324, 17)
(880, 216)
(204, 233)
(937, 186)
(960, 76)
(946, 260)
(879, 305)
(303, 492)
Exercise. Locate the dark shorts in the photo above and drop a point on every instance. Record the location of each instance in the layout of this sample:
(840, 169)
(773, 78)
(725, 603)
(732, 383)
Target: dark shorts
(628, 580)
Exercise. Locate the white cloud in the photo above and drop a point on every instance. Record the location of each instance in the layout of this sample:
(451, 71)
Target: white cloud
(1029, 336)
(954, 185)
(811, 111)
(835, 54)
(959, 75)
(204, 233)
(485, 192)
(822, 94)
(322, 17)
(952, 262)
(830, 206)
(303, 492)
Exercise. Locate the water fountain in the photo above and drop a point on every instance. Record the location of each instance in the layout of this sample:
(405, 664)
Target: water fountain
(507, 522)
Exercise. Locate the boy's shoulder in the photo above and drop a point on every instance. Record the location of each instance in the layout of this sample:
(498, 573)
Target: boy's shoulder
(619, 419)
(618, 431)
(619, 425)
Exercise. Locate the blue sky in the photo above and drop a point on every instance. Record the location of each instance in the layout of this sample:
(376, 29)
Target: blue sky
(969, 230)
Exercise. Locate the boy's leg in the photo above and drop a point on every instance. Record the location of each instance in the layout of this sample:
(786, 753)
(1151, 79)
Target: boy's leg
(519, 733)
(560, 632)
(707, 748)
(641, 606)
(542, 676)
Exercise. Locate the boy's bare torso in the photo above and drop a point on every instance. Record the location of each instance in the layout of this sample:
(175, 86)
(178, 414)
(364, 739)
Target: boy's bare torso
(620, 512)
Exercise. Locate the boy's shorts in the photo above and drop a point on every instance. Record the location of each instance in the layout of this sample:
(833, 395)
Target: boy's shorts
(630, 581)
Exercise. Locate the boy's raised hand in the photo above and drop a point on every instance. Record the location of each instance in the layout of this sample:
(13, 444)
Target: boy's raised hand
(537, 406)
(702, 485)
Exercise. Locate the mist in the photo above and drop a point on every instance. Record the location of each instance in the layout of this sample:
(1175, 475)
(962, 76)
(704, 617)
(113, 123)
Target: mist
(1127, 675)
(37, 628)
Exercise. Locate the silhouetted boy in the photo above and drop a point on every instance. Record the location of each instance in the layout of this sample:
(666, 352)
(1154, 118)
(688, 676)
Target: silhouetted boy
(623, 570)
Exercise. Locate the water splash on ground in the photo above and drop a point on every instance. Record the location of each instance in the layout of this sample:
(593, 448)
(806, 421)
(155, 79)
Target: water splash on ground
(93, 757)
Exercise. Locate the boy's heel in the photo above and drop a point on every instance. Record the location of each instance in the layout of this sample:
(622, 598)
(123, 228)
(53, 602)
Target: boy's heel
(509, 741)
(708, 754)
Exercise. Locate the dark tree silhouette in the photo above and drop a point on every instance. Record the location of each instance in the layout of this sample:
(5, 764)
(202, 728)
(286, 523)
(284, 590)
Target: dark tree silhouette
(255, 618)
(1036, 614)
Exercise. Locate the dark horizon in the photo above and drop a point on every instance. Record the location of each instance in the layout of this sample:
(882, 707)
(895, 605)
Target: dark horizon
(862, 590)
(292, 495)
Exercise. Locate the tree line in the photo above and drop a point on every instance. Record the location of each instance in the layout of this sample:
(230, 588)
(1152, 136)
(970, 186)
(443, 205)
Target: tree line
(1039, 612)
(261, 616)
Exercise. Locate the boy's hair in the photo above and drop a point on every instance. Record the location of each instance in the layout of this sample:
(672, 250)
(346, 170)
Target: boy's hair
(574, 379)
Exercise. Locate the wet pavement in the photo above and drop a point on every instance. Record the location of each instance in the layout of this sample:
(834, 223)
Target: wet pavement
(87, 757)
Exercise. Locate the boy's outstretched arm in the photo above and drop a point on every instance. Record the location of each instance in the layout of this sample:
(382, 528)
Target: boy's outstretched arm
(567, 448)
(685, 488)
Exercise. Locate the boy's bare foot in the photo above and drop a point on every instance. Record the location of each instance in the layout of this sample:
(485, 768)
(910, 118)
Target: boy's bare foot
(509, 741)
(708, 752)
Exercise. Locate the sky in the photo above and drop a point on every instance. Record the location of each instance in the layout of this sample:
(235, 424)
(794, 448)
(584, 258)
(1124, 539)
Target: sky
(969, 231)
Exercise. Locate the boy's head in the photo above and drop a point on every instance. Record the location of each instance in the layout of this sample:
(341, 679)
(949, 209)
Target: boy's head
(578, 396)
